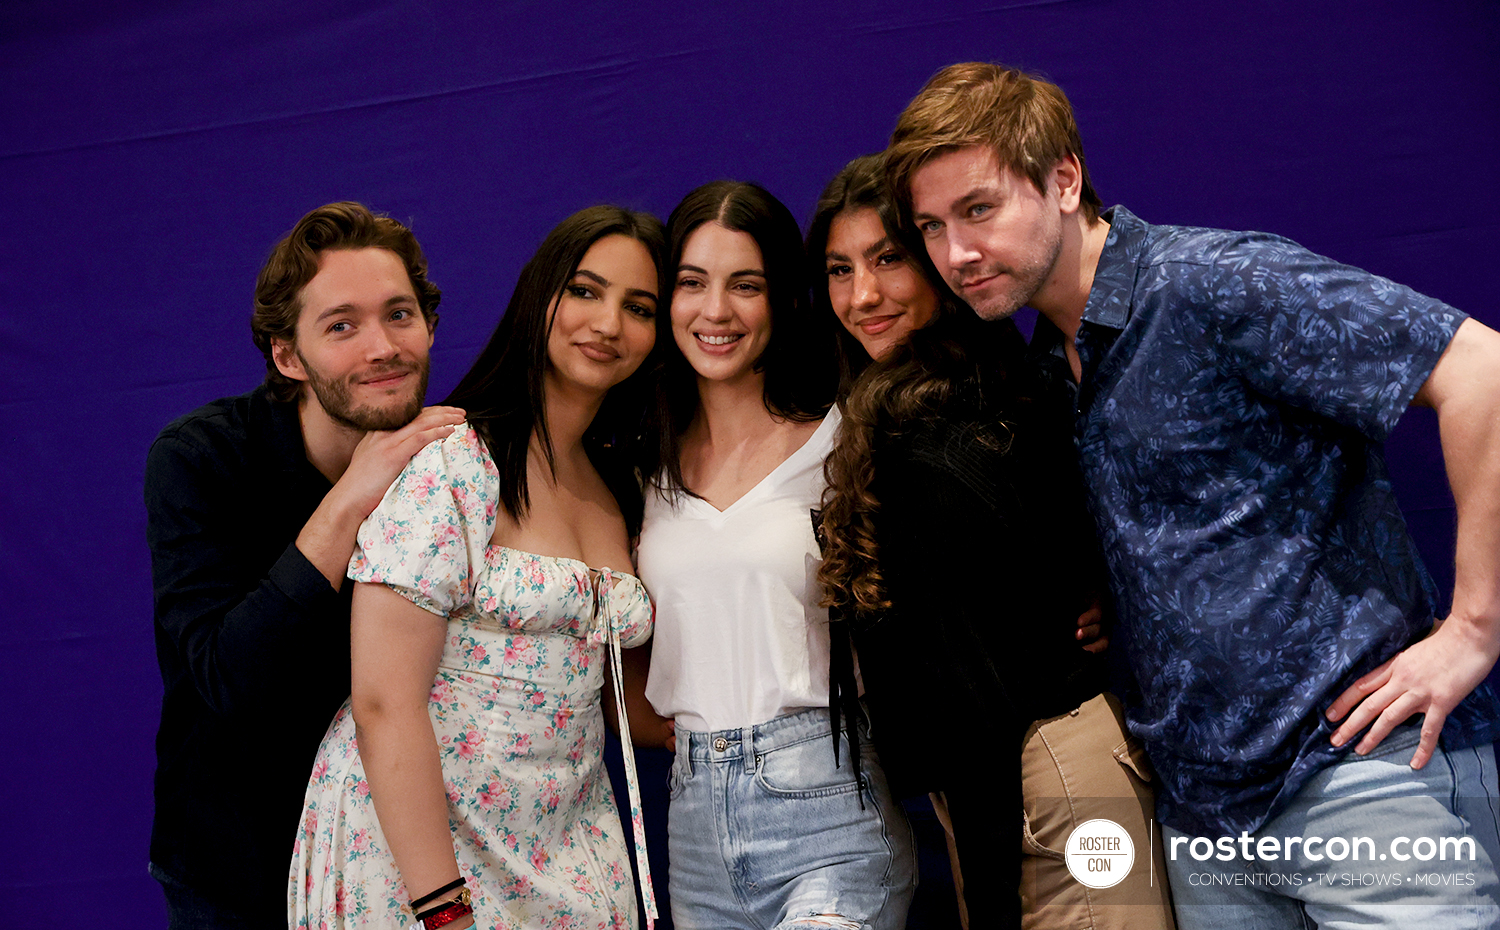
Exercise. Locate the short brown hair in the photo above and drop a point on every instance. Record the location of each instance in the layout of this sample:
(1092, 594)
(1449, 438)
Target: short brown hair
(294, 262)
(1026, 121)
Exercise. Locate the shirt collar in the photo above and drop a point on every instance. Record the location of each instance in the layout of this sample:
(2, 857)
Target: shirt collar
(1114, 278)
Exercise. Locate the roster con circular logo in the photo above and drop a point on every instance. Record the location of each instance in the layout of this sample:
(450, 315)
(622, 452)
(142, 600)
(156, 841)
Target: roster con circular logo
(1099, 853)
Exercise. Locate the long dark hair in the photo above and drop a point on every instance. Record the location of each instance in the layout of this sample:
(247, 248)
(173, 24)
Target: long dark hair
(800, 381)
(503, 393)
(861, 184)
(959, 368)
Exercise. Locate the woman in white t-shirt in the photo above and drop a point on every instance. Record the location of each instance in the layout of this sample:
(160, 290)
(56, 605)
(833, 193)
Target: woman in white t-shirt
(770, 823)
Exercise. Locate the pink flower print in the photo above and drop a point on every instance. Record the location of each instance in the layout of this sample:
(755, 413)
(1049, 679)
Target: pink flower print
(320, 768)
(424, 484)
(391, 532)
(469, 745)
(547, 733)
(520, 650)
(521, 886)
(538, 698)
(539, 858)
(490, 604)
(445, 534)
(478, 654)
(360, 842)
(362, 789)
(424, 585)
(523, 742)
(452, 790)
(616, 874)
(512, 842)
(488, 795)
(581, 585)
(534, 574)
(561, 718)
(596, 830)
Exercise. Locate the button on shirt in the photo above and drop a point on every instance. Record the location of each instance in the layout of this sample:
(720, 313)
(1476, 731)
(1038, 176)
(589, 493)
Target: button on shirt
(1236, 393)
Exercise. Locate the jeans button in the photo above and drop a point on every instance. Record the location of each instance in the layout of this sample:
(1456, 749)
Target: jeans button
(721, 744)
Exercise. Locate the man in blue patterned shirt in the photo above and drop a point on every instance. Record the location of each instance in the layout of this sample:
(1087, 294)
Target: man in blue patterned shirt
(1233, 395)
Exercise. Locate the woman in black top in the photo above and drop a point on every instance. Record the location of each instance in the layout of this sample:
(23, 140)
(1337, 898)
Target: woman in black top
(960, 555)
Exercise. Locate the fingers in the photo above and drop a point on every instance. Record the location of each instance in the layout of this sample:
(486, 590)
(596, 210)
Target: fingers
(1090, 633)
(1355, 693)
(1432, 728)
(1394, 710)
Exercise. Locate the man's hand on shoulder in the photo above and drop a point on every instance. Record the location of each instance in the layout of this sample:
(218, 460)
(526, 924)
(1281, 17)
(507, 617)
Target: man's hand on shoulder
(381, 454)
(327, 540)
(1429, 677)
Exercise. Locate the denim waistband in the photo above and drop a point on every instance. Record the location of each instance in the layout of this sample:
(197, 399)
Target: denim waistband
(728, 745)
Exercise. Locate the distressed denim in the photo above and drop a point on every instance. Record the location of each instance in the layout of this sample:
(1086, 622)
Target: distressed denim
(764, 831)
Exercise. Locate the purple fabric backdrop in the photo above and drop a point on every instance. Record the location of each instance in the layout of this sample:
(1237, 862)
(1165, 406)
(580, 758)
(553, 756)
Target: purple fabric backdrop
(150, 153)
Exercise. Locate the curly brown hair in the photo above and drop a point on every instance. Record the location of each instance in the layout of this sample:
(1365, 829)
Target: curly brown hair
(293, 262)
(957, 360)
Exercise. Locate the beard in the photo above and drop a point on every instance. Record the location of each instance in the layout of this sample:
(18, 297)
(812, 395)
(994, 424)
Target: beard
(1024, 283)
(337, 398)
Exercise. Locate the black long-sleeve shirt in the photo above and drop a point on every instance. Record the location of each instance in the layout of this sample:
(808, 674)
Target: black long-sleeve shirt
(253, 644)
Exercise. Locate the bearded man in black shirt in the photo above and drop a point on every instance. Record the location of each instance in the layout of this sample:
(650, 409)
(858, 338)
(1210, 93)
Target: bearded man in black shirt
(253, 504)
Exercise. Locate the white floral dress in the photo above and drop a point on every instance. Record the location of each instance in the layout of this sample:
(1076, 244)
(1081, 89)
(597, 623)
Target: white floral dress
(516, 710)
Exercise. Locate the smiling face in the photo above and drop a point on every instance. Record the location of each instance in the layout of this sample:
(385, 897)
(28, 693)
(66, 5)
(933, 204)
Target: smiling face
(876, 291)
(361, 341)
(602, 323)
(991, 234)
(721, 315)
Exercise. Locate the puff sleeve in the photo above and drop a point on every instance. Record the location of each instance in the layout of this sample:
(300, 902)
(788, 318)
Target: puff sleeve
(430, 532)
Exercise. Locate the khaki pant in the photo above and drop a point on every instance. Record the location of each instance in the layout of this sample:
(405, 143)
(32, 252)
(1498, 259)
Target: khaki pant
(1075, 768)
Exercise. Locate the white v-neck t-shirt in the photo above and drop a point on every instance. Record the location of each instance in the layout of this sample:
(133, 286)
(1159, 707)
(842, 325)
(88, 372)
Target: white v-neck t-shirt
(740, 638)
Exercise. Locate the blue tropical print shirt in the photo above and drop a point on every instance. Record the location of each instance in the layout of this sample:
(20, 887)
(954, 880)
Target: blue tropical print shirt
(1236, 394)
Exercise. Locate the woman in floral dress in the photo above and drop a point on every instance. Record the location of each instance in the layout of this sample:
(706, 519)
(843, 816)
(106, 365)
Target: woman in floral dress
(494, 590)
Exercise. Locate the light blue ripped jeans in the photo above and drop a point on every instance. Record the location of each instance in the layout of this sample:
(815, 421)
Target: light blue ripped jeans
(764, 832)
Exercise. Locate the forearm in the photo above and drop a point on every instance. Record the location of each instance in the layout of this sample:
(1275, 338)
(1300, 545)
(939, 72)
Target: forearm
(1470, 429)
(328, 537)
(395, 650)
(400, 756)
(647, 727)
(1432, 676)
